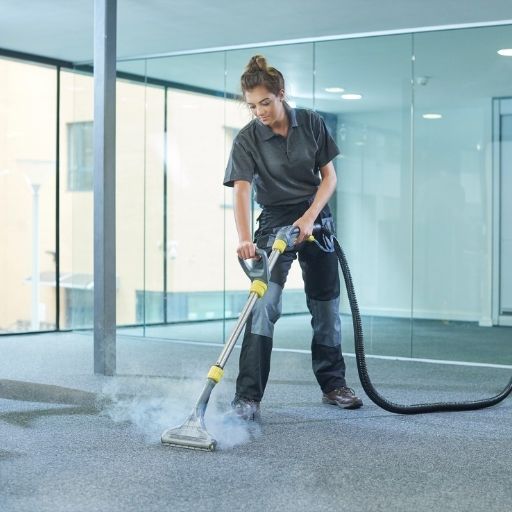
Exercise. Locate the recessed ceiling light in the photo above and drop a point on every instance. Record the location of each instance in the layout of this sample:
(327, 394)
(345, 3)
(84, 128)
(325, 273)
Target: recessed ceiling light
(432, 116)
(506, 52)
(334, 89)
(351, 96)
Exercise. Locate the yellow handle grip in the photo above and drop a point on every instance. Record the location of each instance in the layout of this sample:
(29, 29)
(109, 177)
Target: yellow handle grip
(216, 373)
(279, 245)
(258, 287)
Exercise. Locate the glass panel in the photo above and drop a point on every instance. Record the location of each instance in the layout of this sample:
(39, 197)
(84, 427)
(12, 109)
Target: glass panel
(131, 201)
(505, 210)
(373, 199)
(140, 112)
(76, 200)
(150, 311)
(194, 198)
(27, 196)
(456, 76)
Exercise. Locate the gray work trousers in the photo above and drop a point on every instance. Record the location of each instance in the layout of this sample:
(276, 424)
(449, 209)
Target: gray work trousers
(322, 287)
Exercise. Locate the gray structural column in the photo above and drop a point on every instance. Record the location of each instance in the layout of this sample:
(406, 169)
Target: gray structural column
(105, 186)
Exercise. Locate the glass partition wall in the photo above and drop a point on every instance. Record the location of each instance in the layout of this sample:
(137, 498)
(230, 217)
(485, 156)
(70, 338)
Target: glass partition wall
(457, 77)
(76, 200)
(414, 204)
(28, 118)
(421, 121)
(365, 85)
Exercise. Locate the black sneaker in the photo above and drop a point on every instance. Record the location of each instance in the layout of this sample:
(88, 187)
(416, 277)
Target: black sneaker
(246, 409)
(342, 397)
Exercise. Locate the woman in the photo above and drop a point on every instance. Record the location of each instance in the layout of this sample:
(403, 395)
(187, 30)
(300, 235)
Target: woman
(286, 155)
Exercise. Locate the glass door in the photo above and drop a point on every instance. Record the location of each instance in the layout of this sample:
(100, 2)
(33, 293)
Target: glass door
(503, 184)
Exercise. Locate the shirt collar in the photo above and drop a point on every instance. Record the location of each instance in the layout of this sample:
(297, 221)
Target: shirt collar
(266, 132)
(292, 115)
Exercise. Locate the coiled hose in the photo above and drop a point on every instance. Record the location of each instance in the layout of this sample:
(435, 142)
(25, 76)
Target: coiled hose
(368, 387)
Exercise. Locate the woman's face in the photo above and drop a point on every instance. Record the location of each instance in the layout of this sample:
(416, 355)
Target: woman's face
(266, 106)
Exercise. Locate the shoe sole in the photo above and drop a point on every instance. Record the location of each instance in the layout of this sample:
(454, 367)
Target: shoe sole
(354, 405)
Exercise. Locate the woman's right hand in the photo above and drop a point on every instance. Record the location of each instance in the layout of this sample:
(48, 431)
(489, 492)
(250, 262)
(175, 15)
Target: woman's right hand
(246, 250)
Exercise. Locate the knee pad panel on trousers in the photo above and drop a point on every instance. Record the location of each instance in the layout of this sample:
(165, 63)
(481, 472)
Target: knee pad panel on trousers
(267, 311)
(325, 321)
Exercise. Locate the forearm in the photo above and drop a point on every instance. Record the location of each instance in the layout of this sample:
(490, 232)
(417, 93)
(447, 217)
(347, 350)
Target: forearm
(324, 193)
(242, 210)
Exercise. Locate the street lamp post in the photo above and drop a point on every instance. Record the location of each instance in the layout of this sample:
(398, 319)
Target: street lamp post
(36, 172)
(35, 256)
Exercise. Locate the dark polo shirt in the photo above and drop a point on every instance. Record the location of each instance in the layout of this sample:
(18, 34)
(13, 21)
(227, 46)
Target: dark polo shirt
(282, 170)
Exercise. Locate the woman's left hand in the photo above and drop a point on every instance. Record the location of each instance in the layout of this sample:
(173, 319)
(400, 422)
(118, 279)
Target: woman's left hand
(306, 228)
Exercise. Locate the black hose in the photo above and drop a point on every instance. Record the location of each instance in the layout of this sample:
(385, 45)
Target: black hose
(368, 387)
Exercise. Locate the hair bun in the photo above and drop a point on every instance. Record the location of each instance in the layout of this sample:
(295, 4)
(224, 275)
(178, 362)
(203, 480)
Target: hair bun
(257, 72)
(257, 63)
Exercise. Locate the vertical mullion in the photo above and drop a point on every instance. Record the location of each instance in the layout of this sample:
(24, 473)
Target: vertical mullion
(57, 207)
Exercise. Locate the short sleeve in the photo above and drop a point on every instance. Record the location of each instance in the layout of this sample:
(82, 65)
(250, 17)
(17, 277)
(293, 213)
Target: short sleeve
(240, 165)
(327, 148)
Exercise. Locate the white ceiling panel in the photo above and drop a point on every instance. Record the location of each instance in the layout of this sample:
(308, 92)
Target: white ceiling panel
(63, 29)
(379, 68)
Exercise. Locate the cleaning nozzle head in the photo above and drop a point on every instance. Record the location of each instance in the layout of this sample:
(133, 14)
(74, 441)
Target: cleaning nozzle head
(192, 435)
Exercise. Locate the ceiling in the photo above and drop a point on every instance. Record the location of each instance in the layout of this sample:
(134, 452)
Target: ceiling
(63, 29)
(452, 69)
(377, 67)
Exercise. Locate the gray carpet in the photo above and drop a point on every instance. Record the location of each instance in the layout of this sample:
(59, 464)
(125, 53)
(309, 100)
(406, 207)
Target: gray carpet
(72, 441)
